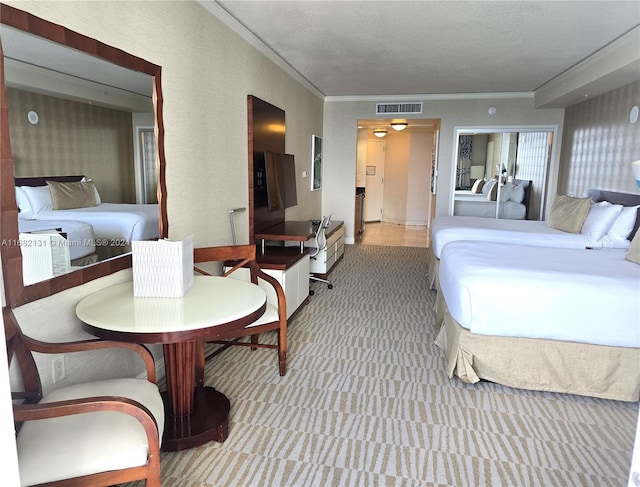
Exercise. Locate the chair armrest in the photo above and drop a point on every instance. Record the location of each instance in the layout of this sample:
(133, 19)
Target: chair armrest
(31, 412)
(95, 344)
(282, 300)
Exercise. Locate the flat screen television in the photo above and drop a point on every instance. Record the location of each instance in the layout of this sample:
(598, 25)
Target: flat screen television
(280, 180)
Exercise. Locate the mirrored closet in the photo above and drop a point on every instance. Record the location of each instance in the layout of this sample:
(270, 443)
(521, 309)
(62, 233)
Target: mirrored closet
(501, 173)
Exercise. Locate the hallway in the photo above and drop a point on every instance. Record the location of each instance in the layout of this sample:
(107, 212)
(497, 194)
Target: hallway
(380, 233)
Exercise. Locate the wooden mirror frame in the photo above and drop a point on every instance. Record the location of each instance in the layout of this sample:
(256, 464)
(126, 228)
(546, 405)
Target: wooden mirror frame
(16, 293)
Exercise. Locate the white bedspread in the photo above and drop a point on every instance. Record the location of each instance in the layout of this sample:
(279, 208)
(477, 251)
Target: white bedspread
(587, 296)
(120, 223)
(80, 238)
(445, 229)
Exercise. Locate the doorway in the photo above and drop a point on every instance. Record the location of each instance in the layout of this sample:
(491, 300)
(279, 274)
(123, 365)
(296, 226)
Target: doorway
(395, 169)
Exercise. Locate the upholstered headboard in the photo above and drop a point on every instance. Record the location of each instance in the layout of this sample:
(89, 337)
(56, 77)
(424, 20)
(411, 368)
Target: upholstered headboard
(618, 198)
(42, 180)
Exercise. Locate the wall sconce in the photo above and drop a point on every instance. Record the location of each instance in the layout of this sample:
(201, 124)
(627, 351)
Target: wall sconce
(399, 125)
(635, 166)
(33, 117)
(379, 132)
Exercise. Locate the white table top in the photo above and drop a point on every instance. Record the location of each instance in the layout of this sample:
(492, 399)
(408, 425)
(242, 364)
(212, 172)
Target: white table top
(211, 301)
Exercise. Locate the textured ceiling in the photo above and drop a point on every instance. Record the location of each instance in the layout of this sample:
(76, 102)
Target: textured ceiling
(432, 47)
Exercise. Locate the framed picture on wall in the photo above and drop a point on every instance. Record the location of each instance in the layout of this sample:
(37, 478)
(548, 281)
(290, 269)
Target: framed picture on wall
(316, 162)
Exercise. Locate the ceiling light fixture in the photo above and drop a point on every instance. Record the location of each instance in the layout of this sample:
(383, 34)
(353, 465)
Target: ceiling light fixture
(379, 132)
(399, 125)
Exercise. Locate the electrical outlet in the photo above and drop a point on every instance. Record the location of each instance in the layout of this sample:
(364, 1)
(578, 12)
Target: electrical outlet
(57, 369)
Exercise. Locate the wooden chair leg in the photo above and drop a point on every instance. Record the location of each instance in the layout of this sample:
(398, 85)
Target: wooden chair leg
(282, 350)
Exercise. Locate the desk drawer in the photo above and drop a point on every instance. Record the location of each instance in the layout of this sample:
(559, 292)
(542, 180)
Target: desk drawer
(337, 235)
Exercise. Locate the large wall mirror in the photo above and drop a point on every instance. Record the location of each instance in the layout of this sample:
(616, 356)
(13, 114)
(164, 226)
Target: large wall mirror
(501, 173)
(74, 108)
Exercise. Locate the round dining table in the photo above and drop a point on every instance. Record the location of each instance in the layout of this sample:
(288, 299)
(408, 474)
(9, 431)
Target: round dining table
(213, 308)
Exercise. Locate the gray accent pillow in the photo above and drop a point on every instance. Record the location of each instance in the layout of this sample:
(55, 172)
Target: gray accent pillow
(633, 254)
(77, 194)
(568, 213)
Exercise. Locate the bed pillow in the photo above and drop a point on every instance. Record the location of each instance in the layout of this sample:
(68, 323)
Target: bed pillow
(599, 219)
(506, 191)
(487, 186)
(568, 213)
(623, 224)
(77, 194)
(98, 199)
(633, 254)
(39, 198)
(517, 195)
(477, 186)
(492, 195)
(24, 208)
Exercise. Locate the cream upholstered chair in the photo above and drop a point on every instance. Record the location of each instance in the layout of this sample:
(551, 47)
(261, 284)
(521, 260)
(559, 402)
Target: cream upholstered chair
(96, 433)
(235, 258)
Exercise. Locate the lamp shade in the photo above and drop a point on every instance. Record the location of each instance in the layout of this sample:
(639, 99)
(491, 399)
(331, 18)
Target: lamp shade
(476, 172)
(635, 166)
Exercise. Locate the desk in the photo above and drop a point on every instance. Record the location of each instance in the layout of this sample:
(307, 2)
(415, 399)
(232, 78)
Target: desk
(292, 231)
(214, 308)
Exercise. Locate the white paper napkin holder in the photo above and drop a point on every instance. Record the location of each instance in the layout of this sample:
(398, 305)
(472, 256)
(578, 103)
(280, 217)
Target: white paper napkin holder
(162, 268)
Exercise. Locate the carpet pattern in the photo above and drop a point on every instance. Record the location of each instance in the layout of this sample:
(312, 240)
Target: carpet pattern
(366, 402)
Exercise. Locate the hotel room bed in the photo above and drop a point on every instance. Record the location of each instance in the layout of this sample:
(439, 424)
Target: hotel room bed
(448, 229)
(562, 320)
(512, 205)
(114, 225)
(79, 235)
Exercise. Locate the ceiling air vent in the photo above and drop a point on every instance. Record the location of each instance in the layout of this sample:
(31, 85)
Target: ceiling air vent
(398, 108)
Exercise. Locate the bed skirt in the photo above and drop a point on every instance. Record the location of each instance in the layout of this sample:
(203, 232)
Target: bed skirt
(433, 264)
(541, 365)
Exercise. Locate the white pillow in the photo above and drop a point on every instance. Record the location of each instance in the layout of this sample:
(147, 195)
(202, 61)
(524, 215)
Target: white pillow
(487, 186)
(600, 218)
(623, 224)
(39, 198)
(506, 191)
(518, 193)
(23, 204)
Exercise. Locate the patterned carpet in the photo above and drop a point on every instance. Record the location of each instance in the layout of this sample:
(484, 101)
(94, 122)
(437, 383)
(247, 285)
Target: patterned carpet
(366, 402)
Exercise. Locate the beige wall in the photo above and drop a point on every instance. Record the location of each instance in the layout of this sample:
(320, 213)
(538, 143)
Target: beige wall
(73, 138)
(599, 143)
